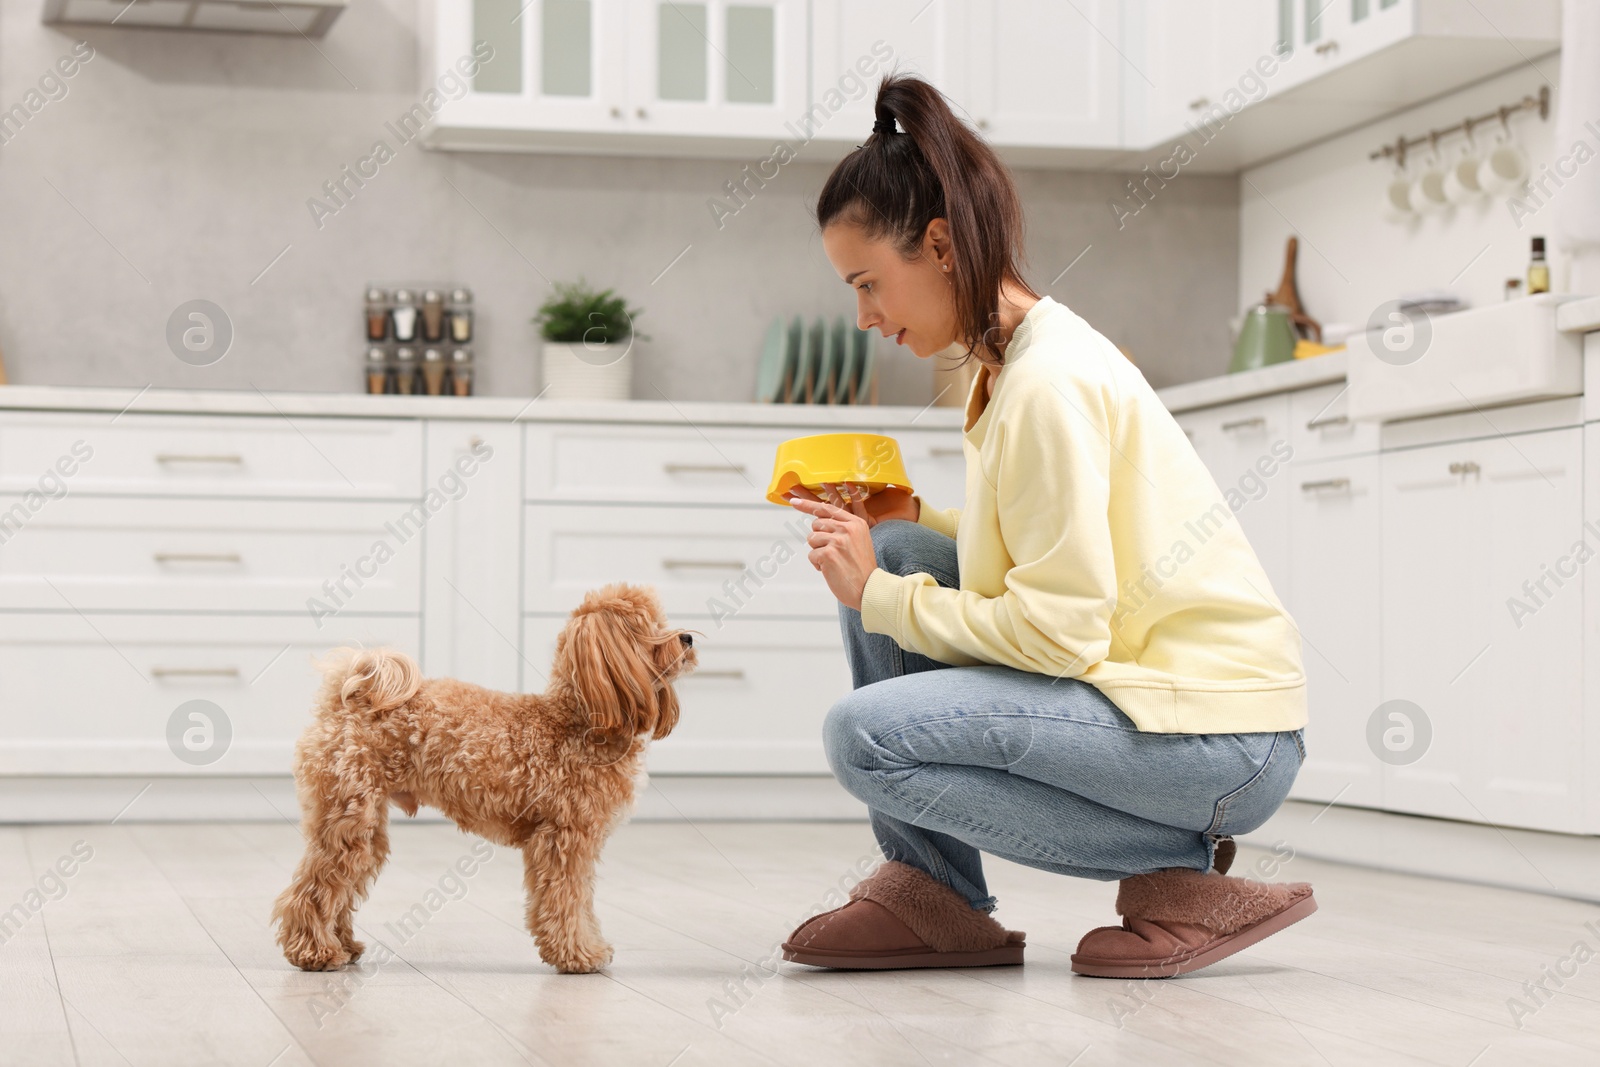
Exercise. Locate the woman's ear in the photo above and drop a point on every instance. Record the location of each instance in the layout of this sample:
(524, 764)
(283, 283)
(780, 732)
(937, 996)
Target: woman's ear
(614, 678)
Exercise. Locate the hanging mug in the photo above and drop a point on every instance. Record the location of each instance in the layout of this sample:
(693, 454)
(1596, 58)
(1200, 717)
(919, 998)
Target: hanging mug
(1397, 197)
(1461, 179)
(1505, 167)
(1427, 192)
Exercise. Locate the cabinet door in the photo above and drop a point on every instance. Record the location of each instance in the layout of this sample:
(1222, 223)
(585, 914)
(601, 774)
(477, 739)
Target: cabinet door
(1047, 74)
(556, 64)
(928, 38)
(1334, 598)
(1172, 47)
(1245, 446)
(1527, 688)
(741, 712)
(471, 551)
(1326, 34)
(716, 66)
(1433, 584)
(1591, 618)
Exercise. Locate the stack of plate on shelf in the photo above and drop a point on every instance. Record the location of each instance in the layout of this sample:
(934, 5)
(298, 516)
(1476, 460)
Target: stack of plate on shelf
(815, 363)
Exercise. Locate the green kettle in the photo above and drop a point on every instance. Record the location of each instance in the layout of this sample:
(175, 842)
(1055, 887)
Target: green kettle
(1265, 337)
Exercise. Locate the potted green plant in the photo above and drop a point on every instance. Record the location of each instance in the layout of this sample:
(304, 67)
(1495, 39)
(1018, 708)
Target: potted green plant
(587, 336)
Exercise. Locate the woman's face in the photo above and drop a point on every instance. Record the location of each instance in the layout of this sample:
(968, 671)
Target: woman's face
(908, 301)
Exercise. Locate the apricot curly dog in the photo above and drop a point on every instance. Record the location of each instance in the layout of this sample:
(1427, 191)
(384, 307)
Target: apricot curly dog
(550, 774)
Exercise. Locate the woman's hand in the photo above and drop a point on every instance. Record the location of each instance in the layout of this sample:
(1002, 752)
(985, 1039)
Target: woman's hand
(841, 546)
(889, 503)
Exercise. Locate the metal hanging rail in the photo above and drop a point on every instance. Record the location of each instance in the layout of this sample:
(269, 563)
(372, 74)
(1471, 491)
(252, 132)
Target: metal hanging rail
(1398, 150)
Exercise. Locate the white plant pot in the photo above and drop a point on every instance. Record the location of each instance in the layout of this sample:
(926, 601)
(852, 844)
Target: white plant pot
(578, 371)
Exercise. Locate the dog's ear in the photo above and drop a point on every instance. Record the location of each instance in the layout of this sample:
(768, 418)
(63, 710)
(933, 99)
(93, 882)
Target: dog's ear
(614, 674)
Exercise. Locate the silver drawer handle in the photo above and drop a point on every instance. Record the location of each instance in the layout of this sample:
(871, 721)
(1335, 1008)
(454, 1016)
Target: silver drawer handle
(703, 564)
(1336, 420)
(178, 457)
(1467, 467)
(198, 557)
(1326, 483)
(703, 468)
(1239, 424)
(733, 673)
(946, 452)
(195, 672)
(1199, 102)
(1326, 47)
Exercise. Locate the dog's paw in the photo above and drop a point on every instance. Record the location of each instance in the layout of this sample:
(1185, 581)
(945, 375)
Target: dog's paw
(355, 949)
(326, 959)
(585, 959)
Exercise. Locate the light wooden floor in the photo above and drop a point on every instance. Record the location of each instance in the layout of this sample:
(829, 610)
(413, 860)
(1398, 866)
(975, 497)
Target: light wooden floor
(158, 952)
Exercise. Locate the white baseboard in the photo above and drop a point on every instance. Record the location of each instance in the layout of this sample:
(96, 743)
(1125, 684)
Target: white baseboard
(1566, 865)
(1560, 864)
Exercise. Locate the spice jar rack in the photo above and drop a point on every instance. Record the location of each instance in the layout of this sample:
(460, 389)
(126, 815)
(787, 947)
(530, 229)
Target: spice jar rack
(419, 339)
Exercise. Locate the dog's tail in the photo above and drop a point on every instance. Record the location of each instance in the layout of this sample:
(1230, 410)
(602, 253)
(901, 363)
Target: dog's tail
(368, 680)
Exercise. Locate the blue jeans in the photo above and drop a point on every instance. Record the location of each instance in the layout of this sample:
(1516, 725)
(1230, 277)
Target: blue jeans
(1042, 771)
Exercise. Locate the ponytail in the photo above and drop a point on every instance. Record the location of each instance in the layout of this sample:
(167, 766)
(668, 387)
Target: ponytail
(896, 183)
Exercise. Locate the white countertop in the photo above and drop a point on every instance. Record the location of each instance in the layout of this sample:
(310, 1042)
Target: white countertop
(1579, 316)
(1277, 378)
(520, 409)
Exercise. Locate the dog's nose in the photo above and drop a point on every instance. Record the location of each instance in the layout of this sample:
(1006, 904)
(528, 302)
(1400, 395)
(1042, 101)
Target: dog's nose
(686, 639)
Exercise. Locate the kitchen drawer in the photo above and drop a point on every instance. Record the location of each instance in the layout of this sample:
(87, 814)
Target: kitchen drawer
(756, 703)
(150, 554)
(1320, 426)
(701, 560)
(651, 464)
(98, 694)
(207, 455)
(935, 464)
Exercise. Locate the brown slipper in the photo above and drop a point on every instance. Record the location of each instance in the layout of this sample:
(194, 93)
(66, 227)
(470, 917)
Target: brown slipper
(900, 916)
(1180, 920)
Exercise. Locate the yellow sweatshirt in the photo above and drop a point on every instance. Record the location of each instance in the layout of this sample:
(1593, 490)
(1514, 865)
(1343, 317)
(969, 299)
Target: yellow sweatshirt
(1094, 544)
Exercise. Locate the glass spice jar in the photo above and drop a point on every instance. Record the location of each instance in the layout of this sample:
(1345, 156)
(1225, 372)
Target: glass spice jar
(377, 315)
(433, 369)
(461, 371)
(405, 369)
(377, 369)
(461, 316)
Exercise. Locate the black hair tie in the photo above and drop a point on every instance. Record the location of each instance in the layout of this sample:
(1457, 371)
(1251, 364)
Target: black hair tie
(884, 125)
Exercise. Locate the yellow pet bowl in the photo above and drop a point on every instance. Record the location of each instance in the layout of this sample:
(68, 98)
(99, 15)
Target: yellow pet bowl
(867, 459)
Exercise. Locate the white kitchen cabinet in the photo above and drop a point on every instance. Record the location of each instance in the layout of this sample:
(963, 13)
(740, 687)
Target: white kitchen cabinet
(1177, 49)
(1046, 74)
(1590, 535)
(1334, 596)
(470, 544)
(566, 71)
(1286, 73)
(716, 67)
(755, 704)
(928, 38)
(1245, 445)
(97, 694)
(1465, 525)
(555, 65)
(700, 560)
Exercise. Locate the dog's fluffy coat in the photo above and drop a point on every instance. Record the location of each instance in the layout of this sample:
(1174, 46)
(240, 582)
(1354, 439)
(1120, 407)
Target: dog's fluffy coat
(549, 774)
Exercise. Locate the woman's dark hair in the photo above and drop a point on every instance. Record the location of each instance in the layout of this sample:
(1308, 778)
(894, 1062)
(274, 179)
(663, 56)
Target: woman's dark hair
(896, 183)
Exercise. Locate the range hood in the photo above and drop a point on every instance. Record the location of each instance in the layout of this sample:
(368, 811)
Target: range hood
(307, 18)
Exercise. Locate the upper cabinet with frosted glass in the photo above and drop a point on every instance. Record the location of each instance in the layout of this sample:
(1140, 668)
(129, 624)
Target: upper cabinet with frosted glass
(1050, 83)
(620, 75)
(1241, 81)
